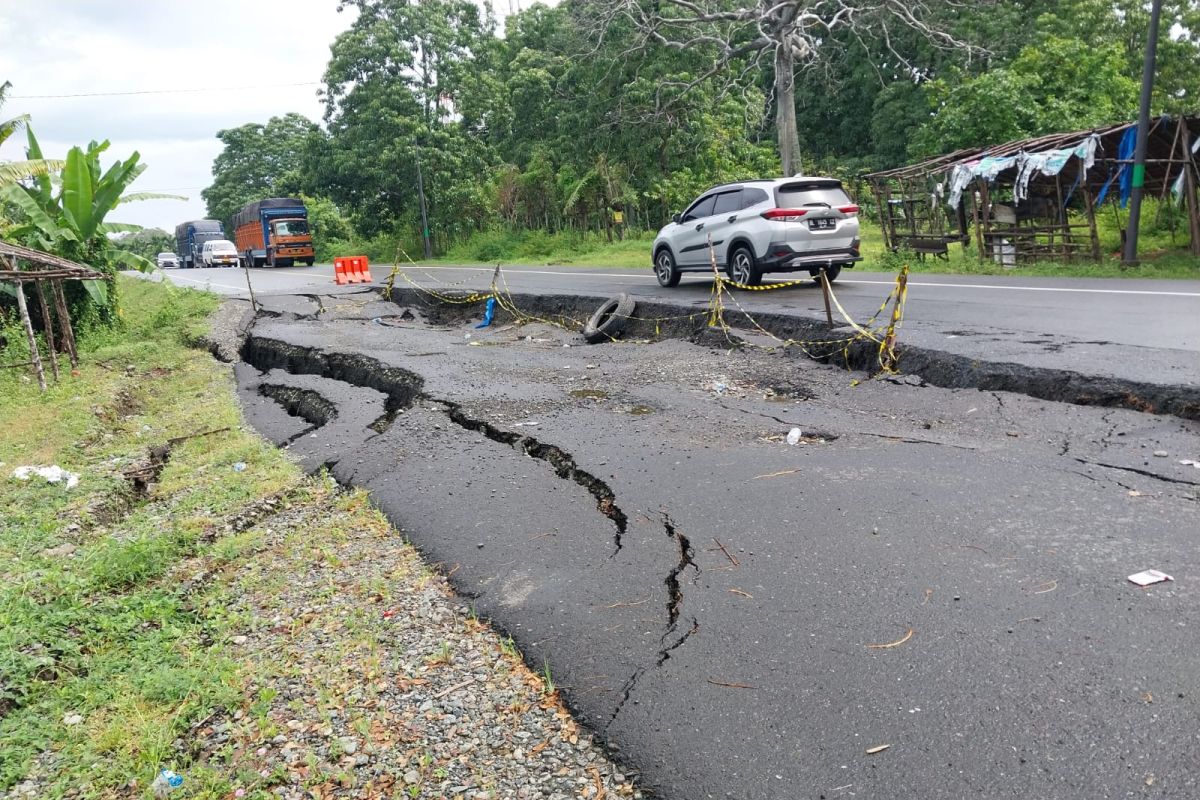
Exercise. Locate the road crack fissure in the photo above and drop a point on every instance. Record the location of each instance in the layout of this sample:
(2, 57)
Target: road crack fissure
(402, 388)
(562, 462)
(1136, 471)
(674, 588)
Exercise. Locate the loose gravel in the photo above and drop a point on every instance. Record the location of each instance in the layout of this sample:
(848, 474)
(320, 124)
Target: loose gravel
(371, 679)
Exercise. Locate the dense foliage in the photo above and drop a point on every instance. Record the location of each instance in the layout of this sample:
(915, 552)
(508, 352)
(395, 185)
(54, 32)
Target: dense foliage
(572, 116)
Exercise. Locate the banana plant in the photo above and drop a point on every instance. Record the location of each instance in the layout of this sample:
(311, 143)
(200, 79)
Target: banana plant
(65, 214)
(14, 171)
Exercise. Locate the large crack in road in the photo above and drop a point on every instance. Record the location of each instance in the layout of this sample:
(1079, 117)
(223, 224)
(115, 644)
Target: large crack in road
(758, 676)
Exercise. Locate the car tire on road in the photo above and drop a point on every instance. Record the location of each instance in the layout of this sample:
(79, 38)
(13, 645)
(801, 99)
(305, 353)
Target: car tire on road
(743, 267)
(665, 269)
(610, 319)
(831, 272)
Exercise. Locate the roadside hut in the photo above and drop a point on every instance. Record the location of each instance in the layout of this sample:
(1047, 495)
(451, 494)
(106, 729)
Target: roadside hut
(1035, 199)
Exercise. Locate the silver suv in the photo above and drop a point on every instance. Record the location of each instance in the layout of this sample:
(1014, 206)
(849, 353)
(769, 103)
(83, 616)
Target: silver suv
(759, 226)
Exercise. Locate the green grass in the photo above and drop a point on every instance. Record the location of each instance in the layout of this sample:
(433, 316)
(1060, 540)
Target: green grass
(113, 632)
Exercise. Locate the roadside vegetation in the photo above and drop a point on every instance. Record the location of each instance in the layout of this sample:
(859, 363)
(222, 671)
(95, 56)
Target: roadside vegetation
(541, 142)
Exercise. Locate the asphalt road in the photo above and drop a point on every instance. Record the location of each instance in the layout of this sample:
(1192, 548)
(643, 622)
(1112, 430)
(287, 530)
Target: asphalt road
(1144, 313)
(926, 597)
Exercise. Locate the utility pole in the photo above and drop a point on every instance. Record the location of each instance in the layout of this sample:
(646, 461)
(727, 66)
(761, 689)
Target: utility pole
(424, 212)
(1143, 133)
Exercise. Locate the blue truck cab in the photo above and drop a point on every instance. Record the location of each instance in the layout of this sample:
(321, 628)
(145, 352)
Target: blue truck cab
(190, 238)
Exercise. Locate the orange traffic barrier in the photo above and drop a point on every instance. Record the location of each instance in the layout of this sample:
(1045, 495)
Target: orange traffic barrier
(340, 276)
(361, 268)
(351, 269)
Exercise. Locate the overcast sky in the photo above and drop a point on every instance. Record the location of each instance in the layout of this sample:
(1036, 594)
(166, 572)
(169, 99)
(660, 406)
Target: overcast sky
(231, 49)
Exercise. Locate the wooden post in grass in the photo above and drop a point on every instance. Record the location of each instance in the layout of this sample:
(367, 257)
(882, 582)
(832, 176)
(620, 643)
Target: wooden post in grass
(64, 322)
(48, 327)
(825, 294)
(34, 357)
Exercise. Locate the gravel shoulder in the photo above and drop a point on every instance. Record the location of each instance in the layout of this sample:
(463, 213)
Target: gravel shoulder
(367, 676)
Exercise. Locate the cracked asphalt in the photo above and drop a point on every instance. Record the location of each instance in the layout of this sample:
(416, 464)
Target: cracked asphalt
(942, 571)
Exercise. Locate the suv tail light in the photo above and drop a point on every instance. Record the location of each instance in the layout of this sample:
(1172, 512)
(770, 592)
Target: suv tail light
(852, 209)
(784, 214)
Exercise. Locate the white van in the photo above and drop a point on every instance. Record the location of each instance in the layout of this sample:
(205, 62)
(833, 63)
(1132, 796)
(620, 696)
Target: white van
(219, 253)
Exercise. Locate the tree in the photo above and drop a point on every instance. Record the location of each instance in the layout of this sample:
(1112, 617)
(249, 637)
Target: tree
(147, 243)
(259, 161)
(400, 87)
(745, 36)
(1055, 84)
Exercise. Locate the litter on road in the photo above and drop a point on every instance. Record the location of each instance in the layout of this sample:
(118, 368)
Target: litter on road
(1149, 576)
(794, 435)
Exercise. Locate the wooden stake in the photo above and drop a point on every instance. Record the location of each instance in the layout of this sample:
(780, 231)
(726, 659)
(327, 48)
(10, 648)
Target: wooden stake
(64, 322)
(825, 294)
(48, 326)
(1189, 191)
(1090, 205)
(34, 357)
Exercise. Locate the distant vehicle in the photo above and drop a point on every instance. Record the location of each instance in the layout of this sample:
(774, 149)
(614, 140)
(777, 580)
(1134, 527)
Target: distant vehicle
(760, 226)
(274, 232)
(165, 260)
(219, 253)
(191, 236)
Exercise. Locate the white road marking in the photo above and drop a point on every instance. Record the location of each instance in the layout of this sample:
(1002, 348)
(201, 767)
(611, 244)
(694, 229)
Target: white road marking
(573, 274)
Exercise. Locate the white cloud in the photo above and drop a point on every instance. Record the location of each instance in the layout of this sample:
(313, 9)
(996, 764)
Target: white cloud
(57, 47)
(87, 46)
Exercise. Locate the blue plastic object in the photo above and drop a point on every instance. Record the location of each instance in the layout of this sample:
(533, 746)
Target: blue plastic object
(489, 313)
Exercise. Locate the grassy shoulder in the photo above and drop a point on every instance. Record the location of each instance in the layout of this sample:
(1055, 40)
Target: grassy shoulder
(106, 655)
(255, 629)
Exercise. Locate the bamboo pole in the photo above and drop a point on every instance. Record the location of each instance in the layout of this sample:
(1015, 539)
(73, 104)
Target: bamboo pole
(34, 357)
(1189, 189)
(64, 322)
(48, 326)
(1089, 204)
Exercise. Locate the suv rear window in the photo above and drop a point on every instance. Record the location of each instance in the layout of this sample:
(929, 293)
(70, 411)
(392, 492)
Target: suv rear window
(752, 197)
(811, 193)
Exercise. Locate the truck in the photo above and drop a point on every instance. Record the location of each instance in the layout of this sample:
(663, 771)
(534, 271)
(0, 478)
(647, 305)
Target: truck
(190, 238)
(274, 232)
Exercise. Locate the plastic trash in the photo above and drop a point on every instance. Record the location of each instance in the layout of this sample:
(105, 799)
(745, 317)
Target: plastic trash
(793, 437)
(166, 782)
(489, 313)
(1149, 576)
(239, 466)
(51, 474)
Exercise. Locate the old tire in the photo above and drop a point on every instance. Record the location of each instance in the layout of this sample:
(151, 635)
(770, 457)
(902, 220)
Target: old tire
(831, 272)
(743, 267)
(609, 320)
(665, 269)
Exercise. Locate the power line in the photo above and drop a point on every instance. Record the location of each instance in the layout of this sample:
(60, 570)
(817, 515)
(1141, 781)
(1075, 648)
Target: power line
(160, 91)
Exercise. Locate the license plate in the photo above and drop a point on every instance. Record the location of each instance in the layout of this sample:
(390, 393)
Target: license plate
(822, 224)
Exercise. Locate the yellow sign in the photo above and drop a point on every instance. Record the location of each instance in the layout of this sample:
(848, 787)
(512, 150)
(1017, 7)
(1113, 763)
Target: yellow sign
(619, 217)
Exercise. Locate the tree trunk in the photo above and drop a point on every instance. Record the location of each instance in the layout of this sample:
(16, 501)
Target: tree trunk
(785, 110)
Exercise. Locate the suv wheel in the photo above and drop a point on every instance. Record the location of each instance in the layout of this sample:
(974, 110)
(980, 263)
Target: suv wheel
(831, 272)
(743, 267)
(665, 269)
